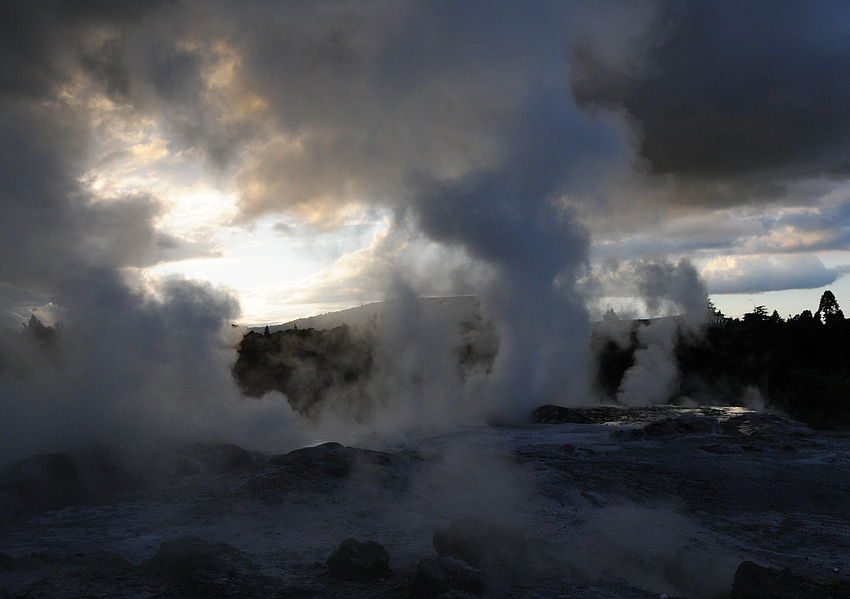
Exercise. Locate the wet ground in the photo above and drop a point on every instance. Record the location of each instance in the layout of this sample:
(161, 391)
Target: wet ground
(629, 503)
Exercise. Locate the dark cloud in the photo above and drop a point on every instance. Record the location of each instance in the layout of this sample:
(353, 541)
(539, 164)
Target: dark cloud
(106, 66)
(365, 94)
(751, 93)
(40, 43)
(54, 227)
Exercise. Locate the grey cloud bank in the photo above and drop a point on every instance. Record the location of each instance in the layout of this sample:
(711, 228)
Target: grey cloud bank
(733, 90)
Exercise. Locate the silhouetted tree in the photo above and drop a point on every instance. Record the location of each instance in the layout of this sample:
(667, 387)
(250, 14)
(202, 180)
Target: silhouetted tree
(828, 308)
(805, 317)
(712, 309)
(757, 316)
(35, 329)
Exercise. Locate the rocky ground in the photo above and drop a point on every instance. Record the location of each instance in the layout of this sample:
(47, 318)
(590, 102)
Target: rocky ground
(596, 503)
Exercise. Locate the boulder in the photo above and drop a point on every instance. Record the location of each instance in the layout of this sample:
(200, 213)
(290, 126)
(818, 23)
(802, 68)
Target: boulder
(335, 460)
(329, 459)
(683, 425)
(359, 561)
(629, 434)
(193, 567)
(435, 577)
(223, 458)
(485, 544)
(316, 452)
(167, 466)
(757, 582)
(190, 553)
(317, 468)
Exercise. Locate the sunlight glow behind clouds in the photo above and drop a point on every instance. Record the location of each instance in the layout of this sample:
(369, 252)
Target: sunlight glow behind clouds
(268, 145)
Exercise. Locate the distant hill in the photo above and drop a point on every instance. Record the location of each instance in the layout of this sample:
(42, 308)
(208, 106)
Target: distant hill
(330, 359)
(456, 309)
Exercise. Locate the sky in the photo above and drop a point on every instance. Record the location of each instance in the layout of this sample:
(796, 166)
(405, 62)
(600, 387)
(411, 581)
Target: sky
(304, 157)
(171, 168)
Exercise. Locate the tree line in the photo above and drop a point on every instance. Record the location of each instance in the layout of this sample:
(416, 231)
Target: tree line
(799, 365)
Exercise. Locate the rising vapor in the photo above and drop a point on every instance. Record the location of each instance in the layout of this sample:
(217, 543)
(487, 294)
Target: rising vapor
(497, 145)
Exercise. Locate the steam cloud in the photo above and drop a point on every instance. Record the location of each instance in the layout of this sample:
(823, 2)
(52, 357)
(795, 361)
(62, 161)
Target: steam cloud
(495, 136)
(477, 150)
(133, 362)
(665, 289)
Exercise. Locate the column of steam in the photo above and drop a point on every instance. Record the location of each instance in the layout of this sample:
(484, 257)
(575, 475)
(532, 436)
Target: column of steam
(514, 219)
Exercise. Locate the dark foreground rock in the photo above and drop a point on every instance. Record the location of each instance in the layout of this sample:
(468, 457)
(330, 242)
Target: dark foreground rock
(433, 577)
(169, 466)
(337, 461)
(673, 516)
(686, 424)
(487, 545)
(354, 560)
(326, 466)
(193, 567)
(184, 567)
(40, 482)
(104, 471)
(757, 582)
(194, 557)
(223, 458)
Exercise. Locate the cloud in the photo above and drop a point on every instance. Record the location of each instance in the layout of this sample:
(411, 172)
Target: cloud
(397, 254)
(734, 99)
(743, 250)
(136, 361)
(756, 274)
(803, 230)
(351, 100)
(460, 123)
(507, 145)
(793, 228)
(40, 45)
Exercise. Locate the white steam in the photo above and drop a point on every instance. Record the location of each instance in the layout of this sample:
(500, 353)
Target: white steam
(136, 370)
(674, 296)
